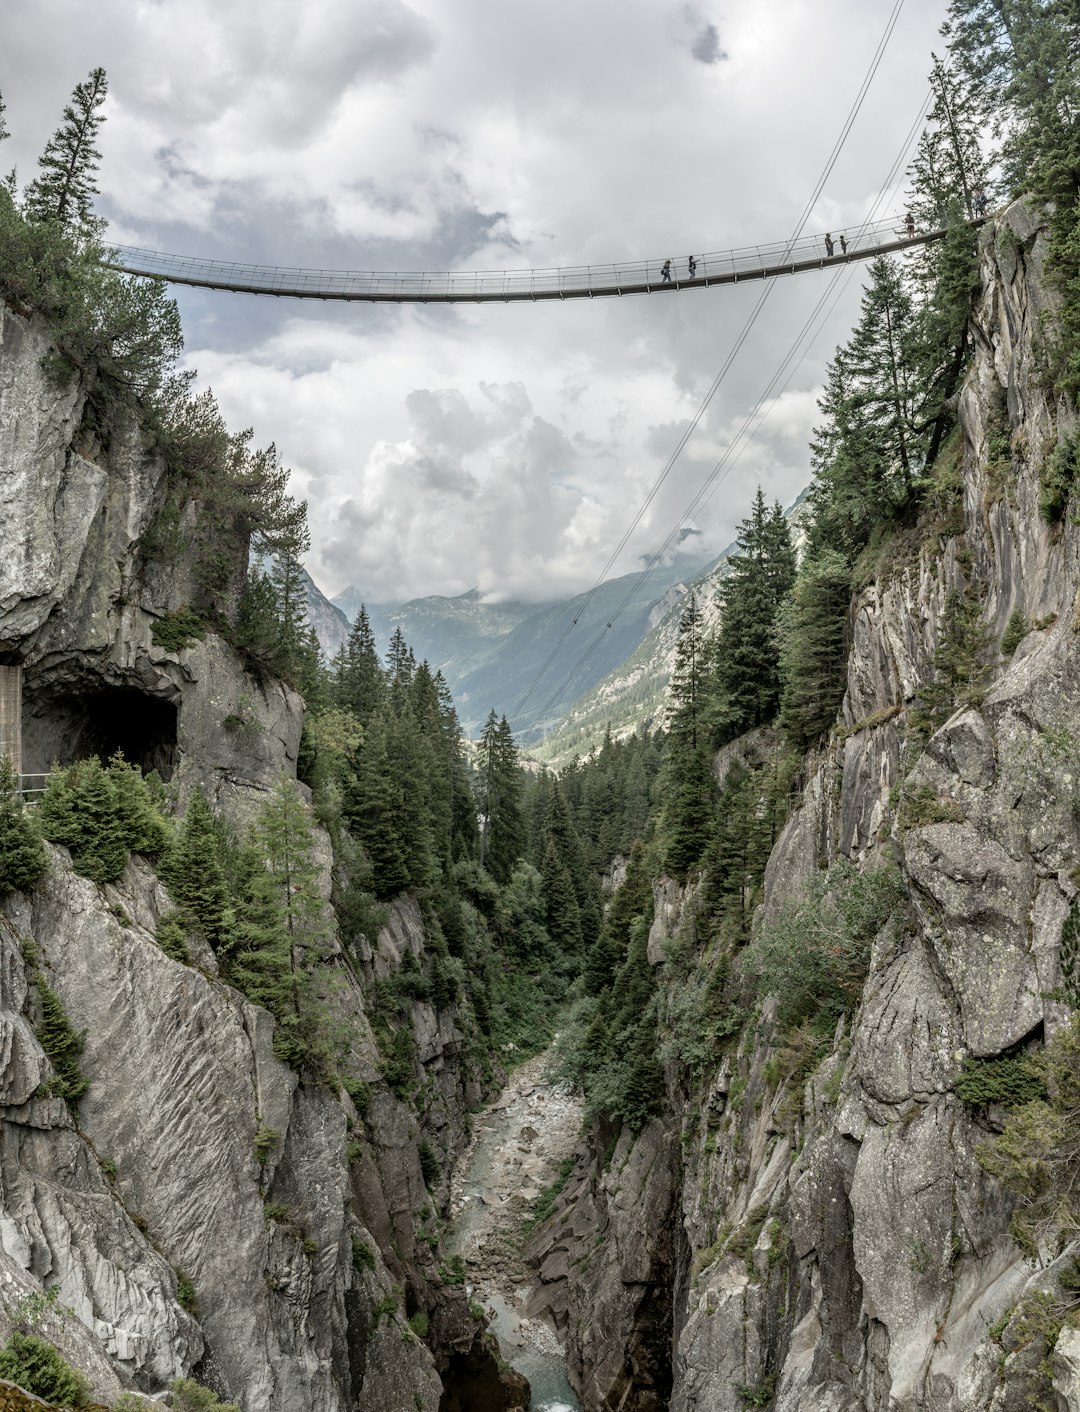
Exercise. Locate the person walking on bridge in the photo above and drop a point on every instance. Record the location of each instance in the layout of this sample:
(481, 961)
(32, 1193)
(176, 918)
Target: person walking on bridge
(909, 225)
(691, 265)
(843, 244)
(665, 272)
(828, 245)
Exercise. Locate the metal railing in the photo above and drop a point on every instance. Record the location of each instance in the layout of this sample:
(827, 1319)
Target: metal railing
(504, 286)
(32, 791)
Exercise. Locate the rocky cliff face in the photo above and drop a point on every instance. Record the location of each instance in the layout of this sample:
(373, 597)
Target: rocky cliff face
(205, 1210)
(831, 1244)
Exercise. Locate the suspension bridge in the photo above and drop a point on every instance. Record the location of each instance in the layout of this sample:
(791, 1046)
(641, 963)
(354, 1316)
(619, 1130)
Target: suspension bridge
(754, 262)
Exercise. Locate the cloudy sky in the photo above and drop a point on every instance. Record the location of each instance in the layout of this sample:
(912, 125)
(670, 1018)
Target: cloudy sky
(505, 447)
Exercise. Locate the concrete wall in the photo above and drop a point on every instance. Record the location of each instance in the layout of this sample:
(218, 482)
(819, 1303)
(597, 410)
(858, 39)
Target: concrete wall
(11, 715)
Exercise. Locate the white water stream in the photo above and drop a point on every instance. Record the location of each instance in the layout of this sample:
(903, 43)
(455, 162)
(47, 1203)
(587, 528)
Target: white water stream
(518, 1148)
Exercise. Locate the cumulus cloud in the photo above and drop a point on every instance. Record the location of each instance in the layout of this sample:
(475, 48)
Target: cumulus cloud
(447, 448)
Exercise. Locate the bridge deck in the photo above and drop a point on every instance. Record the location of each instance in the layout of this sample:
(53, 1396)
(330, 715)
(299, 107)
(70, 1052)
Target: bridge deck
(508, 286)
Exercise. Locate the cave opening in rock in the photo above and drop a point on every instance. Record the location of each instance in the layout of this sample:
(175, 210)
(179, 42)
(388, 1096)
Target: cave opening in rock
(61, 726)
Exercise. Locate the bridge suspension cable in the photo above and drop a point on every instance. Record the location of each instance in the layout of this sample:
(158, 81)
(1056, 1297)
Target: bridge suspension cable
(750, 262)
(801, 344)
(869, 223)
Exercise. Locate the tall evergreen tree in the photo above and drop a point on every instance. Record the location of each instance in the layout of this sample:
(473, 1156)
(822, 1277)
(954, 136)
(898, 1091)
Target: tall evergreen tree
(687, 784)
(745, 680)
(194, 875)
(563, 916)
(813, 647)
(502, 829)
(374, 810)
(80, 810)
(282, 931)
(66, 183)
(360, 683)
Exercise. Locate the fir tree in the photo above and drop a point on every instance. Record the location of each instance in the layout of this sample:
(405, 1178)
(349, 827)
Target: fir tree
(282, 930)
(373, 808)
(687, 783)
(142, 827)
(360, 683)
(562, 914)
(61, 1043)
(745, 681)
(22, 857)
(80, 810)
(813, 648)
(66, 183)
(195, 877)
(502, 831)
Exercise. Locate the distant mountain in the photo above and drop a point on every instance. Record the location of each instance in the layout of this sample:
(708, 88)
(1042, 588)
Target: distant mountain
(454, 634)
(330, 623)
(635, 693)
(491, 653)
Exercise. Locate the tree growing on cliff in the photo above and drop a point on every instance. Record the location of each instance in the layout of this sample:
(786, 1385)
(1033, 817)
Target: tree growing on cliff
(687, 783)
(67, 179)
(813, 648)
(22, 857)
(744, 684)
(281, 930)
(194, 875)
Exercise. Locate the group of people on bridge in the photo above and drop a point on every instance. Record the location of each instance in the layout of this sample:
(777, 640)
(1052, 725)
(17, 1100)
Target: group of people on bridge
(665, 269)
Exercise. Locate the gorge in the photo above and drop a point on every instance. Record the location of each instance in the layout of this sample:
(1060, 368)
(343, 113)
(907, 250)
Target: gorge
(350, 1060)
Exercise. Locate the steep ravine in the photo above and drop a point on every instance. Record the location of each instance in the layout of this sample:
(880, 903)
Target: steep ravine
(522, 1145)
(832, 1244)
(205, 1210)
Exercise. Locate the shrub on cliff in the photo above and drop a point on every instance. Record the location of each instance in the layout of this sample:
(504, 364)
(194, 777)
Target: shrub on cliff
(190, 1396)
(101, 814)
(22, 858)
(38, 1367)
(814, 956)
(62, 1044)
(1037, 1155)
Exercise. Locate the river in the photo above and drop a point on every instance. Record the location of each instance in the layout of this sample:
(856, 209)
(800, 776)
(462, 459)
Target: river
(518, 1149)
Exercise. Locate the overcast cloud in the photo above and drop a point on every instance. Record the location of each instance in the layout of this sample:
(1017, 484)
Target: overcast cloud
(504, 447)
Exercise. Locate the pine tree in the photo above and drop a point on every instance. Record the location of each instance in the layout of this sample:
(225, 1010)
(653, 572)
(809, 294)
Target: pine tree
(66, 183)
(813, 648)
(282, 931)
(870, 447)
(22, 857)
(142, 827)
(562, 914)
(745, 679)
(464, 832)
(950, 166)
(61, 1043)
(687, 786)
(195, 877)
(502, 830)
(373, 809)
(80, 810)
(360, 683)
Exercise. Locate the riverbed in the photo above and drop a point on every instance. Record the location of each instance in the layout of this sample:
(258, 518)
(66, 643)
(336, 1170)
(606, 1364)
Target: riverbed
(519, 1147)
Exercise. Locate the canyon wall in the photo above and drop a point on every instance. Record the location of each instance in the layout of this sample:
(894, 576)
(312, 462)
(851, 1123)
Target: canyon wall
(830, 1243)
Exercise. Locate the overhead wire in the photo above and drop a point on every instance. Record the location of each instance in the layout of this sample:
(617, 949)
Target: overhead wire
(762, 299)
(755, 418)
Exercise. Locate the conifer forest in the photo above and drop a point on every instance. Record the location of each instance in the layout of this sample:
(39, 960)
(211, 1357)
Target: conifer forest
(352, 1057)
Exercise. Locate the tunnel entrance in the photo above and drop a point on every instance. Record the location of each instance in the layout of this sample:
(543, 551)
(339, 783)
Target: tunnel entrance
(61, 726)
